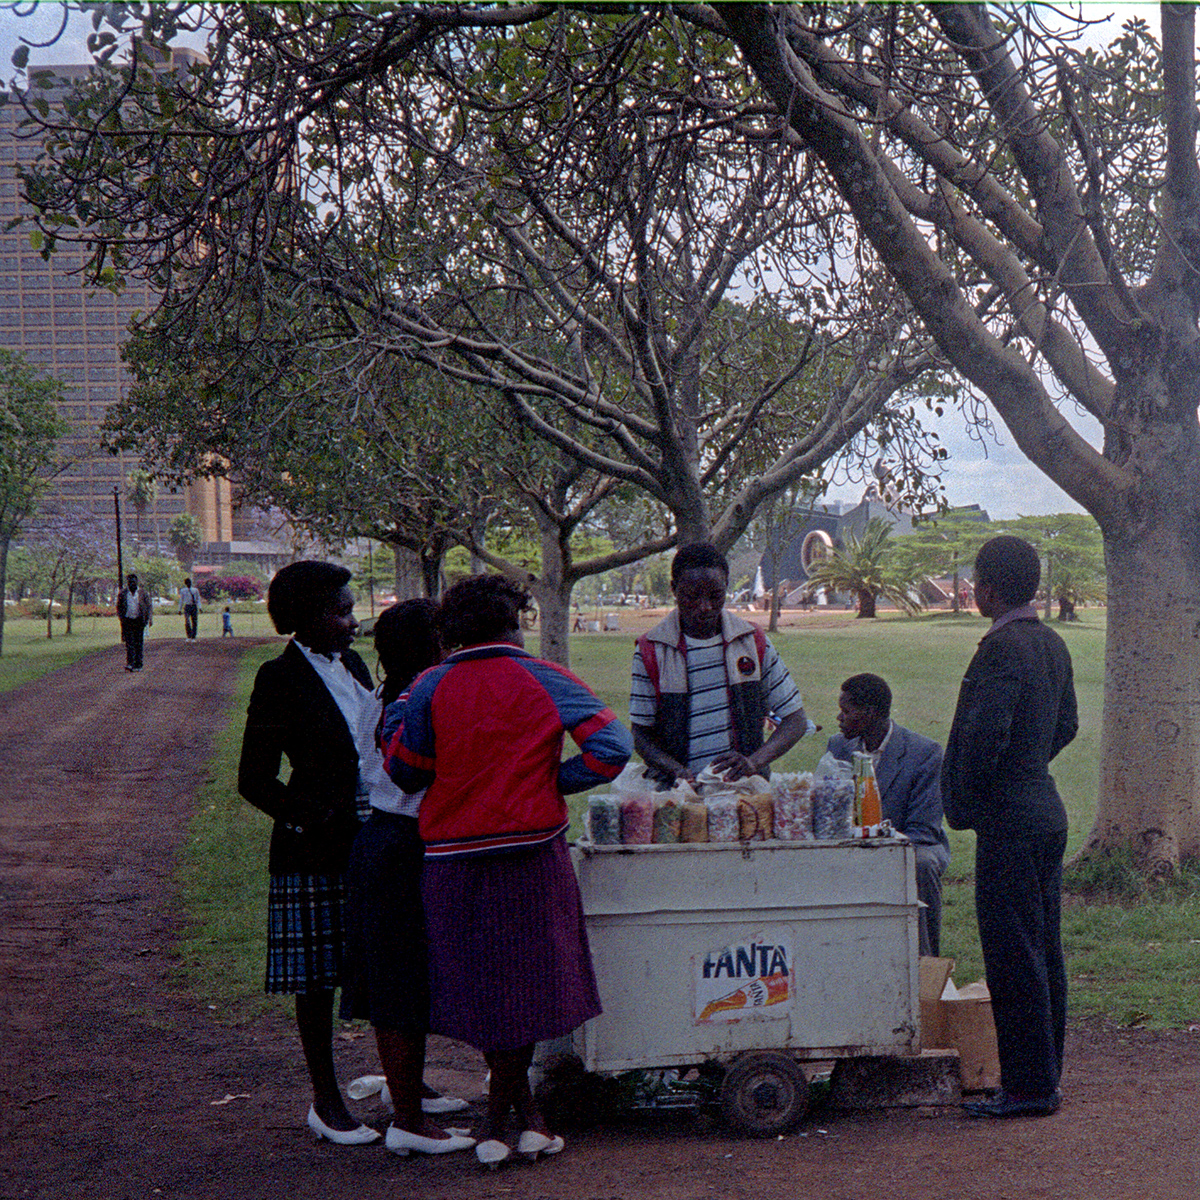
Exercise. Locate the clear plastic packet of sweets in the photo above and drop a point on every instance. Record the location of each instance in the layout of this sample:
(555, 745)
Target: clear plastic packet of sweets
(694, 825)
(668, 820)
(793, 807)
(723, 824)
(604, 820)
(756, 817)
(637, 819)
(832, 808)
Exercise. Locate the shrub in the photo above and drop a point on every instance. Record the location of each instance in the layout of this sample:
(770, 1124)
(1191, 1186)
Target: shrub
(236, 587)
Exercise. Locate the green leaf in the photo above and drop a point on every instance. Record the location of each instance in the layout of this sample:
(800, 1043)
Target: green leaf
(20, 57)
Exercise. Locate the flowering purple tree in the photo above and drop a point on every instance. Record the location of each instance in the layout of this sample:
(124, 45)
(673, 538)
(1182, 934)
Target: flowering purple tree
(70, 549)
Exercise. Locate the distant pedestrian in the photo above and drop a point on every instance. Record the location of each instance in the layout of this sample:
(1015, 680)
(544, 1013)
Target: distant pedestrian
(226, 623)
(135, 613)
(189, 605)
(1016, 711)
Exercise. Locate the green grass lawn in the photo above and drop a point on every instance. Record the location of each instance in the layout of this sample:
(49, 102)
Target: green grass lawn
(1131, 962)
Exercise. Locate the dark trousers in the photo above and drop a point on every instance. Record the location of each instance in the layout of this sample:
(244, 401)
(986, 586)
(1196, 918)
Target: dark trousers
(133, 633)
(929, 892)
(191, 619)
(1018, 901)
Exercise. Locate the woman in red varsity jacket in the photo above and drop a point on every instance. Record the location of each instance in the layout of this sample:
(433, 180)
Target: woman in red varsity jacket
(483, 732)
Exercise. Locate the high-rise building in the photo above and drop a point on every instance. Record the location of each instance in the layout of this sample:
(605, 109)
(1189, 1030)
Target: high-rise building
(74, 333)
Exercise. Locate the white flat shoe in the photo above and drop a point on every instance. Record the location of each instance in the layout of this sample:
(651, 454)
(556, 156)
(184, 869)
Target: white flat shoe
(364, 1135)
(400, 1141)
(443, 1104)
(492, 1153)
(533, 1143)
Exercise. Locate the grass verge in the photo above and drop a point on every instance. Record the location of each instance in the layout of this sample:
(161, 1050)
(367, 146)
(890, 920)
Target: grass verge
(222, 875)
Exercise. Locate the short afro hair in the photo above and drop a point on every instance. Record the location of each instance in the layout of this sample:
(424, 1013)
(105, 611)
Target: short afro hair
(869, 691)
(1011, 566)
(301, 591)
(699, 556)
(481, 609)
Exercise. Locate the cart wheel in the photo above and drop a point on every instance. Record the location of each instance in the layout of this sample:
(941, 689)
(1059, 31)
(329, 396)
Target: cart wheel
(764, 1094)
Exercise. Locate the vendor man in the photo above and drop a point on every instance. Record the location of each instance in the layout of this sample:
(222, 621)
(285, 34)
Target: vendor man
(908, 770)
(704, 682)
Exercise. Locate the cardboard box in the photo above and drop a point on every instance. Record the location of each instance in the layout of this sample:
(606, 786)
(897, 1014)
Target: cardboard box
(959, 1019)
(935, 973)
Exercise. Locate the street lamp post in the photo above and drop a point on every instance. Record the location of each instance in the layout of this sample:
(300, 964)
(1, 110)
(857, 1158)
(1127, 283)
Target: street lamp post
(120, 561)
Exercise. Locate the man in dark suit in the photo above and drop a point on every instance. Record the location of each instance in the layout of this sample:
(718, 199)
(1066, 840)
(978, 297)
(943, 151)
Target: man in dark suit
(134, 612)
(1016, 711)
(907, 770)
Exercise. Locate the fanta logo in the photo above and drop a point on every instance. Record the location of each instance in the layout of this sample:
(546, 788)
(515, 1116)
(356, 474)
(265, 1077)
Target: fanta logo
(746, 962)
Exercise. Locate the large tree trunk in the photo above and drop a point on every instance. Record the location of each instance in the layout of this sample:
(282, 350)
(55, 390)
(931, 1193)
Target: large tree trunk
(866, 604)
(408, 573)
(553, 591)
(1150, 752)
(431, 571)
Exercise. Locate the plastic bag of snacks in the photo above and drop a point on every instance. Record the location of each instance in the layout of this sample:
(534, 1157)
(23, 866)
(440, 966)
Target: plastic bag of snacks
(756, 817)
(832, 798)
(637, 819)
(793, 807)
(668, 819)
(604, 820)
(723, 823)
(694, 825)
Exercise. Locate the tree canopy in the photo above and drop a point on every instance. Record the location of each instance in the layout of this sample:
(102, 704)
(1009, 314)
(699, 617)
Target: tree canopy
(983, 189)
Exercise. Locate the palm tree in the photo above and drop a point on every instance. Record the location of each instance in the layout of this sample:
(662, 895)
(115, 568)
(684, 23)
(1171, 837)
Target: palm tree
(863, 568)
(185, 537)
(141, 491)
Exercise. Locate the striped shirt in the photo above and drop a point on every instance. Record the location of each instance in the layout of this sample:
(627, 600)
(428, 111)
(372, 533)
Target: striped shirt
(710, 727)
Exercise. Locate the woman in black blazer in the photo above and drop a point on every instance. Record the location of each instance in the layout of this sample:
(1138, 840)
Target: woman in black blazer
(304, 707)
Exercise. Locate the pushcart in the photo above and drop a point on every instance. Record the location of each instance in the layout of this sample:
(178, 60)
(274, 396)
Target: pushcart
(754, 957)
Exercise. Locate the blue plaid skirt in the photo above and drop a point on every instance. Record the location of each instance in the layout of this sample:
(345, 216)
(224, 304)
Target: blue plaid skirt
(306, 926)
(306, 922)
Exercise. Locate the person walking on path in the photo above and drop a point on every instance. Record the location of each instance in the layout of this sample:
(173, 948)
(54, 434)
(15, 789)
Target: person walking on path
(1016, 711)
(226, 623)
(189, 605)
(135, 613)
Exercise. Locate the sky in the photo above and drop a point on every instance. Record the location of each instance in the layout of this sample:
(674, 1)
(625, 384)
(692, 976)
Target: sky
(992, 473)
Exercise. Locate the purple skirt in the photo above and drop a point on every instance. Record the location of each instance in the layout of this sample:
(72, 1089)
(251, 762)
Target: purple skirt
(508, 955)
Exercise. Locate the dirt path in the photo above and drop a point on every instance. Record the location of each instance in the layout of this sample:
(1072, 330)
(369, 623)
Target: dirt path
(112, 1079)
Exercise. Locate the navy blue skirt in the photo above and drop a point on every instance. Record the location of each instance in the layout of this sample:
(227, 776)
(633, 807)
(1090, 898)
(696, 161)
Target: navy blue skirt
(386, 979)
(508, 955)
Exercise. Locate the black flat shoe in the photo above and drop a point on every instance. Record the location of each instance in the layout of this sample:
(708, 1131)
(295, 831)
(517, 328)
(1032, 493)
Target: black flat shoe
(1004, 1104)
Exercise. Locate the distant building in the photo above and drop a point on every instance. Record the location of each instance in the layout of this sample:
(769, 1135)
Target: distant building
(825, 527)
(75, 334)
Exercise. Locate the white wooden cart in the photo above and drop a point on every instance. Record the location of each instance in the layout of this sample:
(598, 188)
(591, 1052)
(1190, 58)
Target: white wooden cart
(755, 956)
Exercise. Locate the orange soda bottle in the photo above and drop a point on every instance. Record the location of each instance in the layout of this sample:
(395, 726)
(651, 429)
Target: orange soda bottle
(871, 812)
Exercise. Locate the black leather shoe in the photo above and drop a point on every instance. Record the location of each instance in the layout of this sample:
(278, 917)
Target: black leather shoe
(1005, 1104)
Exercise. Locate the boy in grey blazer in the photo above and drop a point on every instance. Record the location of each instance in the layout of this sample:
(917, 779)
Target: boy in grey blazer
(907, 769)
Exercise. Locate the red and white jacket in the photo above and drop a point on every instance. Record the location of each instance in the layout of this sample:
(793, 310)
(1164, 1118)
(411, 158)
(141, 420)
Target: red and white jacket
(483, 731)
